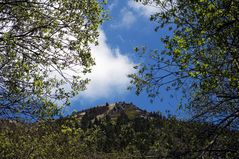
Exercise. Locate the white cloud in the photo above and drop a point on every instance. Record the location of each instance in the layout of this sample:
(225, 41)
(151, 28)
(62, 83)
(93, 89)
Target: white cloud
(109, 75)
(145, 10)
(127, 20)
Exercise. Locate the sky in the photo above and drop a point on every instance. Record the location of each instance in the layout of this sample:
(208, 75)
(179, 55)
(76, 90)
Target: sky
(128, 27)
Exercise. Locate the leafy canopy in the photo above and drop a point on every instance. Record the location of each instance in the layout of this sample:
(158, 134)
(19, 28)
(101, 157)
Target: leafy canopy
(39, 41)
(200, 57)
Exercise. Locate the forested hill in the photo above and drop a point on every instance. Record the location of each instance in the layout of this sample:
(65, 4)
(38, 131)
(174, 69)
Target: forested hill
(119, 130)
(113, 111)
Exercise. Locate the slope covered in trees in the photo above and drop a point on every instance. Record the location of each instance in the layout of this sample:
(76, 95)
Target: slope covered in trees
(108, 136)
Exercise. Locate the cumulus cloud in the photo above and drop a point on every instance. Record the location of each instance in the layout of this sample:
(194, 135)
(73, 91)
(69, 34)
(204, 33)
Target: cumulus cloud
(127, 19)
(109, 75)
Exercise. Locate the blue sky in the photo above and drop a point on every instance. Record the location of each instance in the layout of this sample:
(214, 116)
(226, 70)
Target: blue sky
(128, 27)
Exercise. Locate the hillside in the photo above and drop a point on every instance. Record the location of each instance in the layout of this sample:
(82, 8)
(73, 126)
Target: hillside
(118, 130)
(113, 111)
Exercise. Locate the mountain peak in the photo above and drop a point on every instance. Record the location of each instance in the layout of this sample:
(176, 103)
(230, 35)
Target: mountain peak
(113, 110)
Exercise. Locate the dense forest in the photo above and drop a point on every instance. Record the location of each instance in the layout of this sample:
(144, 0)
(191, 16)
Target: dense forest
(118, 130)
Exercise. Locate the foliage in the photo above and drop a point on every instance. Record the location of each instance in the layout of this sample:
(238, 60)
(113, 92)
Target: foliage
(44, 47)
(200, 58)
(141, 137)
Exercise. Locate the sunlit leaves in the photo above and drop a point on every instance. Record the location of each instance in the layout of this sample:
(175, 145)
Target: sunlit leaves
(201, 55)
(39, 40)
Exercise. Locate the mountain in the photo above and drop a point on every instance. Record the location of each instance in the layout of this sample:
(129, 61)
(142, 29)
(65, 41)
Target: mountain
(113, 111)
(118, 130)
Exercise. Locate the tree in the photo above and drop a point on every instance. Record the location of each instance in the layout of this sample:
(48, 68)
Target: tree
(45, 45)
(200, 58)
